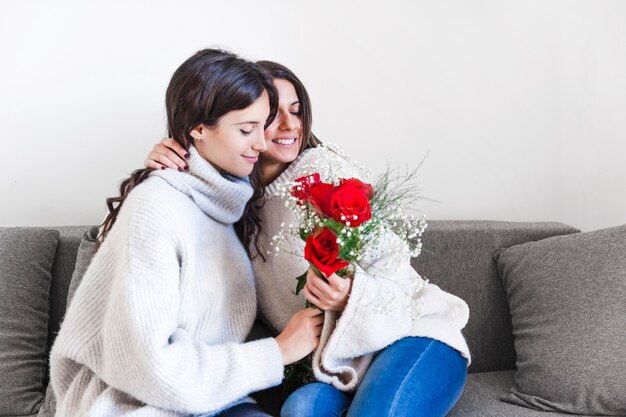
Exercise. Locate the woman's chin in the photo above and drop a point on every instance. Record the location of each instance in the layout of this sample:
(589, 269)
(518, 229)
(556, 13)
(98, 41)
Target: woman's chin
(283, 155)
(237, 171)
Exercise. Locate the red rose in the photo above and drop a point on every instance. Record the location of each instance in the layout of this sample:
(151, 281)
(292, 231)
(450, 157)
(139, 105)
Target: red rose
(301, 190)
(368, 190)
(320, 195)
(350, 203)
(322, 250)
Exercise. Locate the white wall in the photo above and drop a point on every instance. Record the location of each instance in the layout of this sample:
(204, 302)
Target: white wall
(521, 104)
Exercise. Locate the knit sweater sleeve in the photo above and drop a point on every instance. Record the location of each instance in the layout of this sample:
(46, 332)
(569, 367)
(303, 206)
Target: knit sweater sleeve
(144, 351)
(379, 296)
(384, 291)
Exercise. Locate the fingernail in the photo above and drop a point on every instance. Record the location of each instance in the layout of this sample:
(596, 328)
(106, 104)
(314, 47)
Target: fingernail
(162, 166)
(186, 156)
(180, 169)
(186, 167)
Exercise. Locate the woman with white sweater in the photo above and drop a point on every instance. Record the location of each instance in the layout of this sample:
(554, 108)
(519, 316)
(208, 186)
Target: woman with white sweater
(158, 323)
(406, 357)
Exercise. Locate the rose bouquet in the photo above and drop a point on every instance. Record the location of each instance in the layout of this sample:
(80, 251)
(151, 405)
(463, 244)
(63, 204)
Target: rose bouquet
(333, 219)
(340, 220)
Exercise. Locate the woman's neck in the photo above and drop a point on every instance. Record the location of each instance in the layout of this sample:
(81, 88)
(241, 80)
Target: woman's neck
(270, 171)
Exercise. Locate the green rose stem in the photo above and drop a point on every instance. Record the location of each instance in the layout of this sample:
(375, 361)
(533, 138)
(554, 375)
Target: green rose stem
(301, 372)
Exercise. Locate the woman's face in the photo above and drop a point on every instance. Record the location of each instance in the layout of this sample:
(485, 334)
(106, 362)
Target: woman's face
(234, 143)
(283, 136)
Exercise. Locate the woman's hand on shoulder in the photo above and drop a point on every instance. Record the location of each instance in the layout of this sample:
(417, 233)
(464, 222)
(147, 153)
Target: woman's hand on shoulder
(330, 294)
(167, 154)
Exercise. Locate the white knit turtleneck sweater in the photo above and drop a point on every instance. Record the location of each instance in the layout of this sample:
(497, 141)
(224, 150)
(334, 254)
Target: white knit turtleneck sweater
(386, 302)
(157, 325)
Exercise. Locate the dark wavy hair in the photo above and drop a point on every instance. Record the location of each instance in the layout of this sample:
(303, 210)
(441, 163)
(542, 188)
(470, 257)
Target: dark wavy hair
(205, 87)
(250, 225)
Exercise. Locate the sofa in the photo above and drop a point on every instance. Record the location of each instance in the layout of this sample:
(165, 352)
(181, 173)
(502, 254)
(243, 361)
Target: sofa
(462, 257)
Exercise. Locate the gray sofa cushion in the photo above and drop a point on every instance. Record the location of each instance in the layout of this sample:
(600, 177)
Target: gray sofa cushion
(481, 398)
(458, 257)
(62, 271)
(86, 250)
(567, 296)
(49, 406)
(26, 256)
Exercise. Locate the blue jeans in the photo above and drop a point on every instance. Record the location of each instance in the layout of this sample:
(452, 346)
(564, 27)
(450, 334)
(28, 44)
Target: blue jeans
(244, 410)
(415, 376)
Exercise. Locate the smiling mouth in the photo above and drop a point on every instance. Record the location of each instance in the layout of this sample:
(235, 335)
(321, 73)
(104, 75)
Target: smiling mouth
(289, 141)
(251, 158)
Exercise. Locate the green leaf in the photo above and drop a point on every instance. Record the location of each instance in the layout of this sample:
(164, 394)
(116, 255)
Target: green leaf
(301, 282)
(344, 272)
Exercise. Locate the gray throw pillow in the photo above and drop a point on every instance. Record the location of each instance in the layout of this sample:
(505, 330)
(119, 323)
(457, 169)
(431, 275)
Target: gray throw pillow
(26, 257)
(86, 250)
(567, 296)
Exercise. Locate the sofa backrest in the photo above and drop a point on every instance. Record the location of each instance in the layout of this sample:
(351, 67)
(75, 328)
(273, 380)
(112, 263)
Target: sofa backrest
(458, 257)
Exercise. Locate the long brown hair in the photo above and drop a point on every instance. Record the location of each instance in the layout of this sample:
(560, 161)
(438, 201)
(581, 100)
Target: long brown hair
(249, 227)
(205, 87)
